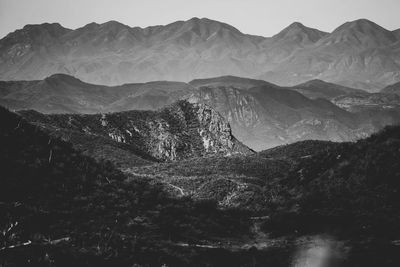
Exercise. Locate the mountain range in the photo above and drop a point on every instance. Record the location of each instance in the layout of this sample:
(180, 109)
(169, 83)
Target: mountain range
(283, 160)
(358, 54)
(261, 114)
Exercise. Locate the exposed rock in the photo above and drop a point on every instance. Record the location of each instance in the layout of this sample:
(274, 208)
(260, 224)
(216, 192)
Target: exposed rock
(182, 130)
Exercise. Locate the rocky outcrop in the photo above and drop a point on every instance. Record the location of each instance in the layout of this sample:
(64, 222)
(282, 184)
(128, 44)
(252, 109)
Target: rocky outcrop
(181, 130)
(266, 116)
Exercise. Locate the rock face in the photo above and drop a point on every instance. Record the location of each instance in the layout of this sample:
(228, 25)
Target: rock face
(261, 114)
(266, 116)
(358, 54)
(182, 130)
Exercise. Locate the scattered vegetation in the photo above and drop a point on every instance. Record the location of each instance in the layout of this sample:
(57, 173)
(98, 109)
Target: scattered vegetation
(61, 208)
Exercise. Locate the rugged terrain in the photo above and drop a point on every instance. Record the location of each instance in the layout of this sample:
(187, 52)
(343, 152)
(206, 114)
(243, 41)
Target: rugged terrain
(358, 54)
(261, 114)
(392, 89)
(180, 131)
(62, 207)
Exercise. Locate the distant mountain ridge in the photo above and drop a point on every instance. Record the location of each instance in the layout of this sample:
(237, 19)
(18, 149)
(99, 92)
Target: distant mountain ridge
(358, 54)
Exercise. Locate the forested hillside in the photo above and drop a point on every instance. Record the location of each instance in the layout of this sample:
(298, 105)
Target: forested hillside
(60, 208)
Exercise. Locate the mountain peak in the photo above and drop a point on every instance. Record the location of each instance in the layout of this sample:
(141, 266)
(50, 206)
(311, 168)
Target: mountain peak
(62, 78)
(210, 24)
(297, 24)
(362, 31)
(113, 24)
(297, 31)
(314, 82)
(362, 25)
(54, 29)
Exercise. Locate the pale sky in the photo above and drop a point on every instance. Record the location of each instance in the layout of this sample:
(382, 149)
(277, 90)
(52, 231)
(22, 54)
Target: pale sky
(259, 17)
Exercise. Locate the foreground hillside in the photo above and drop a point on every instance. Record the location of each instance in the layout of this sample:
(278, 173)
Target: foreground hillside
(61, 208)
(346, 190)
(358, 54)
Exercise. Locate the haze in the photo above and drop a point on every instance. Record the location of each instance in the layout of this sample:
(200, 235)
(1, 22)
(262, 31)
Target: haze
(259, 17)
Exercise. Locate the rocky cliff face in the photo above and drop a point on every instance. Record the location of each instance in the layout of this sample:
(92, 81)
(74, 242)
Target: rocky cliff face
(266, 116)
(261, 114)
(181, 130)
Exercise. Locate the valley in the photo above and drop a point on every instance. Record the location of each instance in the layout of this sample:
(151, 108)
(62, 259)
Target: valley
(195, 144)
(275, 202)
(262, 115)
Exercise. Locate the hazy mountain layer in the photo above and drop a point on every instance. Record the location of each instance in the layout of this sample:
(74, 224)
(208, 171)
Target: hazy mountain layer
(319, 89)
(358, 54)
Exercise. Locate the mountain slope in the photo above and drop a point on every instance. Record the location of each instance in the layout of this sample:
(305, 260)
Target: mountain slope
(62, 93)
(392, 89)
(358, 54)
(291, 39)
(182, 130)
(265, 116)
(261, 114)
(344, 183)
(61, 208)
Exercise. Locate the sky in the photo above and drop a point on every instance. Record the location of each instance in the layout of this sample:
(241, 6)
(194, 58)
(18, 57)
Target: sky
(258, 17)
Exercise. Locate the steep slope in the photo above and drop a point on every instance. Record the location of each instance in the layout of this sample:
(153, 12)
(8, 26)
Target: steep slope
(362, 33)
(23, 51)
(61, 208)
(397, 33)
(265, 116)
(348, 184)
(261, 114)
(392, 89)
(358, 54)
(294, 37)
(112, 53)
(182, 130)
